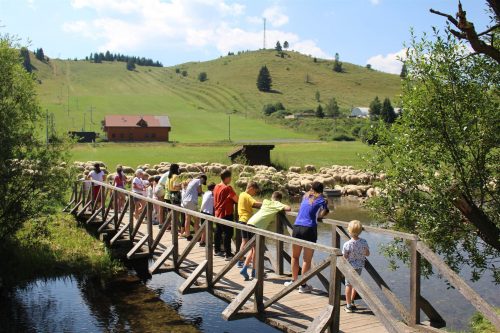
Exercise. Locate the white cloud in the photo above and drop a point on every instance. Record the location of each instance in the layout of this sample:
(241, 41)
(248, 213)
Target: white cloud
(390, 63)
(129, 25)
(375, 2)
(275, 16)
(31, 4)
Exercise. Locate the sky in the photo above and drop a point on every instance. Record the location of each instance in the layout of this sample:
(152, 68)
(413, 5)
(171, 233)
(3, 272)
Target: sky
(177, 31)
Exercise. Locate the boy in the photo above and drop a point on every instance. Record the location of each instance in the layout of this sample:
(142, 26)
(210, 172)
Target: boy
(246, 204)
(224, 200)
(192, 191)
(207, 207)
(355, 251)
(261, 220)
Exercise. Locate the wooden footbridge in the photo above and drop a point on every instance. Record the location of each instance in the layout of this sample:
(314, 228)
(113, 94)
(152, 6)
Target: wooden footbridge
(265, 297)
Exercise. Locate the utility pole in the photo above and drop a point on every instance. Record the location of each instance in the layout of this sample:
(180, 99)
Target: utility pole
(47, 126)
(229, 127)
(68, 100)
(91, 119)
(84, 120)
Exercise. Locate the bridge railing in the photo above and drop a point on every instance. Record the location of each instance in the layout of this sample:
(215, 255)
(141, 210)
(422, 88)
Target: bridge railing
(82, 203)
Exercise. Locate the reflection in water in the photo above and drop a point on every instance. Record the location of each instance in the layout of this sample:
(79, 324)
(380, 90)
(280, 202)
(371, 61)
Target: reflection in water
(89, 305)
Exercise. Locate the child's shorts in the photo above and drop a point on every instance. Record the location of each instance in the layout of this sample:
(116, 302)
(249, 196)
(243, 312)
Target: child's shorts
(246, 234)
(358, 270)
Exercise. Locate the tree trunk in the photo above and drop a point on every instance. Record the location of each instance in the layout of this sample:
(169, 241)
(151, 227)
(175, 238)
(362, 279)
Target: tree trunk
(486, 228)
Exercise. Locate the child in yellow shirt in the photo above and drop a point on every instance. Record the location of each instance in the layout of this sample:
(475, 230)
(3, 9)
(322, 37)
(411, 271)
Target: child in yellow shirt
(246, 204)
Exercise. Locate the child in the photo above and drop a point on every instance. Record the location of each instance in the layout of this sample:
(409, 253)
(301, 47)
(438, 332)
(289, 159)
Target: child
(355, 251)
(246, 204)
(312, 208)
(261, 220)
(207, 207)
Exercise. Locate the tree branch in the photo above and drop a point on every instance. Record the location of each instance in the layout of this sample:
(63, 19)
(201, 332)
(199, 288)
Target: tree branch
(468, 32)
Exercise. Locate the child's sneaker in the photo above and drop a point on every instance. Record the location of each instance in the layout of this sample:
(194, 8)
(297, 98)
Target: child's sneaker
(353, 306)
(239, 264)
(287, 283)
(305, 289)
(348, 308)
(244, 273)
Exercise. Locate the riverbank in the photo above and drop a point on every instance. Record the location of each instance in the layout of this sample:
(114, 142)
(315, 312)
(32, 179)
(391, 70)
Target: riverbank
(54, 246)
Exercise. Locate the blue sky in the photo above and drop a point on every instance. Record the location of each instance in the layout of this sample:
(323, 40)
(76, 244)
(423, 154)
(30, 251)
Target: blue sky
(177, 31)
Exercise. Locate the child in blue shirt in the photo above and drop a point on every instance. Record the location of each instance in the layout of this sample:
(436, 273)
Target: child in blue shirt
(312, 208)
(355, 251)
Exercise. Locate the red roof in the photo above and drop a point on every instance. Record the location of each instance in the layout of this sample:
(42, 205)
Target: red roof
(134, 121)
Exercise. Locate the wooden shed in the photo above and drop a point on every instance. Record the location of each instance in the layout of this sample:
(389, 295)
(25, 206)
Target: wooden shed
(137, 128)
(252, 154)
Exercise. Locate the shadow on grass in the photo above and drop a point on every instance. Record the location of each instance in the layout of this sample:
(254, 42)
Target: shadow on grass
(52, 247)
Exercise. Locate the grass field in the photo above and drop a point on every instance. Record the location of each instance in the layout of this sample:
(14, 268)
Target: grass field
(198, 110)
(285, 155)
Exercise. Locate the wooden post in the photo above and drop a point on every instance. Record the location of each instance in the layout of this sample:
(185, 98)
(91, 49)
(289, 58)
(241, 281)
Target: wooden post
(209, 252)
(334, 295)
(131, 217)
(149, 207)
(259, 267)
(279, 245)
(175, 236)
(103, 204)
(414, 284)
(115, 207)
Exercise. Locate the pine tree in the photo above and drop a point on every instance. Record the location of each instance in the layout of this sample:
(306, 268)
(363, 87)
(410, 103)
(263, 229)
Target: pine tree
(375, 108)
(108, 56)
(332, 108)
(285, 45)
(337, 65)
(317, 96)
(25, 54)
(264, 80)
(404, 71)
(130, 65)
(319, 112)
(40, 55)
(202, 76)
(278, 47)
(387, 113)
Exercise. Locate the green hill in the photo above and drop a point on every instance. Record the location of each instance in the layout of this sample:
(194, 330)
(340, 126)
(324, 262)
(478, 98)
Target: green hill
(198, 110)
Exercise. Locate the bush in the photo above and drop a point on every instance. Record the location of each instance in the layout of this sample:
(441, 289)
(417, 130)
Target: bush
(177, 70)
(202, 76)
(280, 114)
(184, 73)
(269, 109)
(343, 137)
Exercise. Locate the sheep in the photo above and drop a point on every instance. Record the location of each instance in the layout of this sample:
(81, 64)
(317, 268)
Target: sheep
(295, 169)
(310, 168)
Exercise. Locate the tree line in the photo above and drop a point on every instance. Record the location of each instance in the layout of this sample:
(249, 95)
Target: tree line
(108, 56)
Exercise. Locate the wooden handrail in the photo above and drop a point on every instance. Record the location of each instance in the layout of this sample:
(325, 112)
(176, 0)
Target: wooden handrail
(395, 234)
(240, 226)
(455, 280)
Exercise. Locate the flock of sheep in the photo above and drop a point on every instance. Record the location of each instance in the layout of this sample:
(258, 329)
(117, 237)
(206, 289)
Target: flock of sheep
(345, 179)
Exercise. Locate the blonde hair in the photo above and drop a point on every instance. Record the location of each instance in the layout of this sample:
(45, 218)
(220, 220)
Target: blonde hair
(355, 228)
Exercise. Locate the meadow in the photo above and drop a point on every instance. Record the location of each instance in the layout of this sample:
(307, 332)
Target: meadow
(199, 111)
(283, 155)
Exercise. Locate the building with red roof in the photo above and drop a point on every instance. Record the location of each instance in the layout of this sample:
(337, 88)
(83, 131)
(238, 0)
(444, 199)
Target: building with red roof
(136, 128)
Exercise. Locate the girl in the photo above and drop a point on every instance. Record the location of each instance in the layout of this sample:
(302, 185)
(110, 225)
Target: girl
(119, 181)
(98, 175)
(312, 208)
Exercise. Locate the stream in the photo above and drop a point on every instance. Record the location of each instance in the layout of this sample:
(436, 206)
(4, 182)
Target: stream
(135, 302)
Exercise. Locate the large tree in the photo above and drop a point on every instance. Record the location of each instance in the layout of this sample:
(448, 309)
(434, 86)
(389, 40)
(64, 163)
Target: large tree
(34, 180)
(332, 108)
(441, 156)
(387, 113)
(337, 65)
(375, 108)
(264, 81)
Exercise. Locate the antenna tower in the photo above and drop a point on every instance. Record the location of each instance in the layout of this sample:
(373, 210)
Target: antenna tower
(264, 33)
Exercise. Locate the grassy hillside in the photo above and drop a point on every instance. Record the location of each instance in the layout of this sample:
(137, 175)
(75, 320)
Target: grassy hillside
(198, 110)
